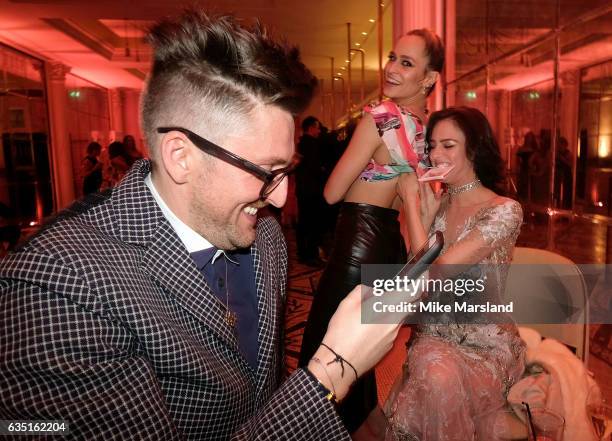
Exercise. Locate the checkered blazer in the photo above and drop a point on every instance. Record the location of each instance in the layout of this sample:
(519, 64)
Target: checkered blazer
(106, 323)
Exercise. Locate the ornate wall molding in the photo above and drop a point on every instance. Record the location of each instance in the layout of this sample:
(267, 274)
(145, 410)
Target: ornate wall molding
(570, 78)
(57, 71)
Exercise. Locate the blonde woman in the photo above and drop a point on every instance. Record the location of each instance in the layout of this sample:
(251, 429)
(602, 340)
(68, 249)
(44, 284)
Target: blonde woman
(389, 141)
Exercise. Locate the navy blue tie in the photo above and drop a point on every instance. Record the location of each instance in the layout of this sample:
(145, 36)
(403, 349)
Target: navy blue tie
(238, 293)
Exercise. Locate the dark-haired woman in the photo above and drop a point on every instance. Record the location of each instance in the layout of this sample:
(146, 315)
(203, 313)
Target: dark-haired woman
(132, 153)
(119, 163)
(389, 140)
(460, 367)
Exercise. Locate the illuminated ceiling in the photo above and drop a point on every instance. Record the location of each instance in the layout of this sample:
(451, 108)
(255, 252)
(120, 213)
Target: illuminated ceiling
(102, 41)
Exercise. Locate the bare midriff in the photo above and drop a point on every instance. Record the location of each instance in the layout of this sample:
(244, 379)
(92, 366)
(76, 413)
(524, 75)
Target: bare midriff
(379, 193)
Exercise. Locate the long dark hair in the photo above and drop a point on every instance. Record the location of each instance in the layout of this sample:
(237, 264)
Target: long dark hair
(480, 144)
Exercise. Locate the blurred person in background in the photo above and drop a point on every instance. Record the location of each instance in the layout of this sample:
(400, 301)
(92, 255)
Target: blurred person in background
(118, 163)
(133, 154)
(309, 193)
(91, 169)
(528, 148)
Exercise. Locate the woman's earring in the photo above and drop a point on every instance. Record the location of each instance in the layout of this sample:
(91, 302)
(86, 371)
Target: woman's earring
(425, 89)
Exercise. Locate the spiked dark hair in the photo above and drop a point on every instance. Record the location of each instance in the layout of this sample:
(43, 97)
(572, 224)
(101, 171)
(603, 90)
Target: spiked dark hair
(212, 71)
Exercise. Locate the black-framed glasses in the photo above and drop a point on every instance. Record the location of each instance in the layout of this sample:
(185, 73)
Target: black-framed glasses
(271, 179)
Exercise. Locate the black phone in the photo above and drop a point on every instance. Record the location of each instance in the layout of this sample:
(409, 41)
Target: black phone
(415, 268)
(424, 257)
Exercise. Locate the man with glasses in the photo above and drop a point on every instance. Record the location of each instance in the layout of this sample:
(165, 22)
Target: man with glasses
(155, 310)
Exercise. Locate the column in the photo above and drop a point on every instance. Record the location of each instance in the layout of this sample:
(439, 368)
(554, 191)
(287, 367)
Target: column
(412, 14)
(61, 155)
(500, 121)
(116, 114)
(569, 83)
(131, 115)
(450, 47)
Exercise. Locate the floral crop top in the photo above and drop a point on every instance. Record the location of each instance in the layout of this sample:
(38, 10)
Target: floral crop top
(404, 135)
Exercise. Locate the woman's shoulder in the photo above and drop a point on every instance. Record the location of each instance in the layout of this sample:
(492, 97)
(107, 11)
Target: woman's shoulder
(381, 107)
(502, 218)
(388, 116)
(374, 106)
(503, 204)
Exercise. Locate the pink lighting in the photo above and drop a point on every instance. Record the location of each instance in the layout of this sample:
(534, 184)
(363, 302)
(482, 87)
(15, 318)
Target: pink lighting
(594, 194)
(574, 59)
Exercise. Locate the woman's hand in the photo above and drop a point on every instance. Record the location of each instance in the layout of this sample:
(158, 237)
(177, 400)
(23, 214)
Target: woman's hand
(430, 202)
(408, 187)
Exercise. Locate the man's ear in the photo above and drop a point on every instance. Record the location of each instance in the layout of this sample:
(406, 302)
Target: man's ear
(175, 152)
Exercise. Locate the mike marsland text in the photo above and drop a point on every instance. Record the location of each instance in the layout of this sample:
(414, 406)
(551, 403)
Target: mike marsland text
(437, 307)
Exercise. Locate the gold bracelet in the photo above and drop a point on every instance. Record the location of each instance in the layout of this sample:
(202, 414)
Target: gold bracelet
(316, 360)
(329, 395)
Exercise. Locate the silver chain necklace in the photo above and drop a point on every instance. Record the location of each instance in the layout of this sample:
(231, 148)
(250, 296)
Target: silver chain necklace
(463, 188)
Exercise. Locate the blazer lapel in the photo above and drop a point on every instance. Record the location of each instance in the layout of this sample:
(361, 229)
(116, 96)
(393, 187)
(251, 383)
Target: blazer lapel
(140, 221)
(268, 317)
(167, 261)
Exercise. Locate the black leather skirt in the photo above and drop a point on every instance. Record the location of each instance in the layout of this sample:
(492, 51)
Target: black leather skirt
(365, 234)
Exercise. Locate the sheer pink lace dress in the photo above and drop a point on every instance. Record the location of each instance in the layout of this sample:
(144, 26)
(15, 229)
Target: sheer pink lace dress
(457, 373)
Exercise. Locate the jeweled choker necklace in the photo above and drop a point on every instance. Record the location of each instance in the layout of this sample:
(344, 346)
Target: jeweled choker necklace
(463, 188)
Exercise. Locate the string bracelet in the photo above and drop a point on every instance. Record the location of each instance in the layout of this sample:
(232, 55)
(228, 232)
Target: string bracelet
(340, 359)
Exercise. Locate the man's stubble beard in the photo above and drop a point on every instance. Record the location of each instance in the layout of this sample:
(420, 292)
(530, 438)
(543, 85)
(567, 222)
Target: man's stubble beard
(214, 226)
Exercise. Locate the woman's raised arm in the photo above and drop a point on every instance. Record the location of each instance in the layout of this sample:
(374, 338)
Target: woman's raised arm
(360, 150)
